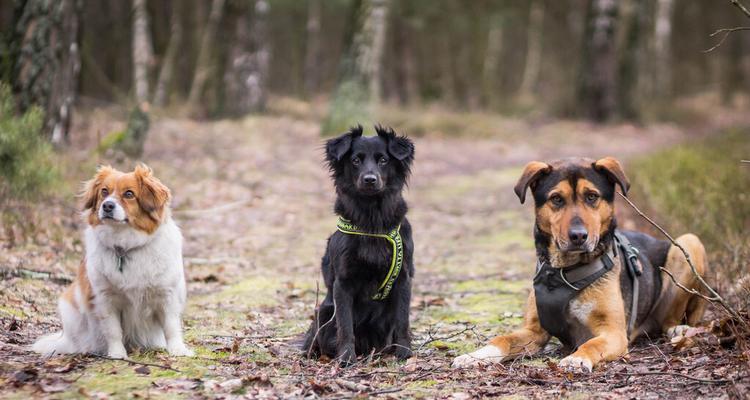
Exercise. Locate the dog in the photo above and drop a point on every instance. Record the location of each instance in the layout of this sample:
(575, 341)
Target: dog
(129, 291)
(588, 271)
(366, 307)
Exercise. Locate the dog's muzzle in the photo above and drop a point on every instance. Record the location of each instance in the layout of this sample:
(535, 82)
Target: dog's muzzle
(111, 210)
(370, 183)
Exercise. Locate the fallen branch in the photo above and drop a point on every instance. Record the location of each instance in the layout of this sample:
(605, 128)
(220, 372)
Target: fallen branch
(742, 8)
(6, 273)
(745, 161)
(715, 297)
(677, 374)
(726, 32)
(133, 362)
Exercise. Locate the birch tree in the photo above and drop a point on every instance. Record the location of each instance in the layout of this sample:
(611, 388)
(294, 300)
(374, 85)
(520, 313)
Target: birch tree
(170, 58)
(204, 64)
(142, 51)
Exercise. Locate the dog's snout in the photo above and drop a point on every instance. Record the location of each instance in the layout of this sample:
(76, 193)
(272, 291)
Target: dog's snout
(108, 206)
(370, 179)
(578, 235)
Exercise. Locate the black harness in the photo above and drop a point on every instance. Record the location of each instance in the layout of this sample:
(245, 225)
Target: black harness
(555, 288)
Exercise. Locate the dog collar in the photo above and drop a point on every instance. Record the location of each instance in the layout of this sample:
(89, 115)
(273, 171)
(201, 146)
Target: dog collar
(122, 255)
(394, 237)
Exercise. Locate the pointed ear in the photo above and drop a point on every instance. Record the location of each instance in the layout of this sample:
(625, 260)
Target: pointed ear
(400, 147)
(153, 196)
(336, 148)
(531, 173)
(90, 192)
(614, 172)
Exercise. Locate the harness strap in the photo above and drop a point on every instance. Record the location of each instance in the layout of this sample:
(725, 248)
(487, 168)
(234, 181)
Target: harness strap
(397, 259)
(635, 269)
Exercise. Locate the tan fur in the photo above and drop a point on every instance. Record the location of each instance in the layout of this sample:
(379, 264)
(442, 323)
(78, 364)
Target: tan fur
(527, 340)
(81, 285)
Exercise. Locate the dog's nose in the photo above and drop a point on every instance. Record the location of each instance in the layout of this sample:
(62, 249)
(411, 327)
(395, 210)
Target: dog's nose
(370, 179)
(578, 235)
(108, 206)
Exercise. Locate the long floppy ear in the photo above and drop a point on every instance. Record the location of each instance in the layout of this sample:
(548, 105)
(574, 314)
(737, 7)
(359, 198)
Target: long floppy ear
(153, 194)
(90, 192)
(531, 173)
(400, 147)
(336, 148)
(614, 171)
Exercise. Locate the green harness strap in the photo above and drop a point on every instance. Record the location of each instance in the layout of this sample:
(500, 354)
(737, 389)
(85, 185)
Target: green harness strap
(394, 237)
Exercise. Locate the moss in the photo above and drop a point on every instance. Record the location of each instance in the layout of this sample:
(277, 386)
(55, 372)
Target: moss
(12, 312)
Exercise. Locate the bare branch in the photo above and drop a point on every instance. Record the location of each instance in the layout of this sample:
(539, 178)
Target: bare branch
(742, 8)
(715, 297)
(726, 32)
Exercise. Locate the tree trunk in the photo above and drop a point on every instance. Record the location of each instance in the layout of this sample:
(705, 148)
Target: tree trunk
(312, 50)
(491, 65)
(627, 73)
(170, 58)
(142, 51)
(46, 61)
(597, 86)
(247, 71)
(204, 64)
(533, 52)
(663, 48)
(361, 68)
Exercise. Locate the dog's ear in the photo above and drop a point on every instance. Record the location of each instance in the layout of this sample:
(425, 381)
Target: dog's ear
(336, 148)
(400, 147)
(90, 192)
(614, 172)
(153, 194)
(531, 173)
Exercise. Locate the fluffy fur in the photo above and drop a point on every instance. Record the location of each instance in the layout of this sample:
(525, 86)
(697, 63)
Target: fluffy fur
(106, 310)
(369, 174)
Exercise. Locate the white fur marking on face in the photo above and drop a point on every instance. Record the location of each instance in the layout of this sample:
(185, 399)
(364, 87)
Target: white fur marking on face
(581, 311)
(118, 213)
(485, 355)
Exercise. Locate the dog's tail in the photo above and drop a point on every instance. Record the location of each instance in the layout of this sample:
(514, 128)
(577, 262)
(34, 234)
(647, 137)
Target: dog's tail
(56, 343)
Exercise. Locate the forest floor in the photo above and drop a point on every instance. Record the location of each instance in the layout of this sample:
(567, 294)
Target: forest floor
(254, 202)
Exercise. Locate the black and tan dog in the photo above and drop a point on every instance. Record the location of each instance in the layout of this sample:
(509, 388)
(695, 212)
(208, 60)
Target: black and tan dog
(584, 285)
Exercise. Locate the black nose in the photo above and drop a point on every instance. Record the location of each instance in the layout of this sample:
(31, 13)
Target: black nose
(108, 206)
(578, 235)
(370, 179)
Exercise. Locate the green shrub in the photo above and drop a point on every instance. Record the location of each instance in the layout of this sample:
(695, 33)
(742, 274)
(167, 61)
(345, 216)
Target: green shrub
(26, 167)
(703, 187)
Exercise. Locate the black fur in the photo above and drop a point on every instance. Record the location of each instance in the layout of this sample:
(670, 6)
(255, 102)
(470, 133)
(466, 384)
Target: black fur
(354, 266)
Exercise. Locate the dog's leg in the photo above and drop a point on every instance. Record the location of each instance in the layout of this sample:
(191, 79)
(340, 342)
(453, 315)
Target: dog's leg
(402, 334)
(111, 326)
(343, 303)
(172, 325)
(528, 340)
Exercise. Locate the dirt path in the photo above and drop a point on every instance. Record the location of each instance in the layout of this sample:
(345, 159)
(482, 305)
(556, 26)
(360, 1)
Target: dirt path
(254, 203)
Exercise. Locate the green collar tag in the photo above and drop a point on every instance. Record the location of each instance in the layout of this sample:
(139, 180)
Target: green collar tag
(394, 237)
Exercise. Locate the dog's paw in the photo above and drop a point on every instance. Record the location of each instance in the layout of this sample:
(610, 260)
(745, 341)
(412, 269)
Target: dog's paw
(486, 355)
(347, 357)
(402, 353)
(677, 330)
(179, 350)
(575, 363)
(117, 351)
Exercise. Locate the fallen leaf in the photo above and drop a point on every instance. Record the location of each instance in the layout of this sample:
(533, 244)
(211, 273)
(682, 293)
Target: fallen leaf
(143, 370)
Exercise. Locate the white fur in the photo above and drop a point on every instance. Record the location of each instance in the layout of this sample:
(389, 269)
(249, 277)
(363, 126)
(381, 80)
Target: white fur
(576, 363)
(139, 307)
(580, 310)
(118, 214)
(485, 355)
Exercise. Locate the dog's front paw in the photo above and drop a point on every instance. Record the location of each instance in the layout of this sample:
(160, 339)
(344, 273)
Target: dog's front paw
(486, 355)
(347, 357)
(677, 330)
(117, 351)
(179, 350)
(576, 363)
(402, 353)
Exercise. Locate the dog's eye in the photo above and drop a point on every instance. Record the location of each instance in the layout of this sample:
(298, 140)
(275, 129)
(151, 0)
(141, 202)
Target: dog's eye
(105, 192)
(382, 161)
(355, 161)
(128, 194)
(592, 197)
(556, 200)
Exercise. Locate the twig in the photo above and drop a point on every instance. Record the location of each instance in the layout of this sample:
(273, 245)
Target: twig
(726, 32)
(431, 339)
(33, 274)
(715, 297)
(745, 161)
(677, 374)
(741, 7)
(133, 362)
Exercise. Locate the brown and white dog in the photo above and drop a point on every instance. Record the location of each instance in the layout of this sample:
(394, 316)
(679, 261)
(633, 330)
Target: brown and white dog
(575, 228)
(130, 288)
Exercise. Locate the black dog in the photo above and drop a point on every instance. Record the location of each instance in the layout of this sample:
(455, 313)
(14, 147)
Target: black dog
(366, 307)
